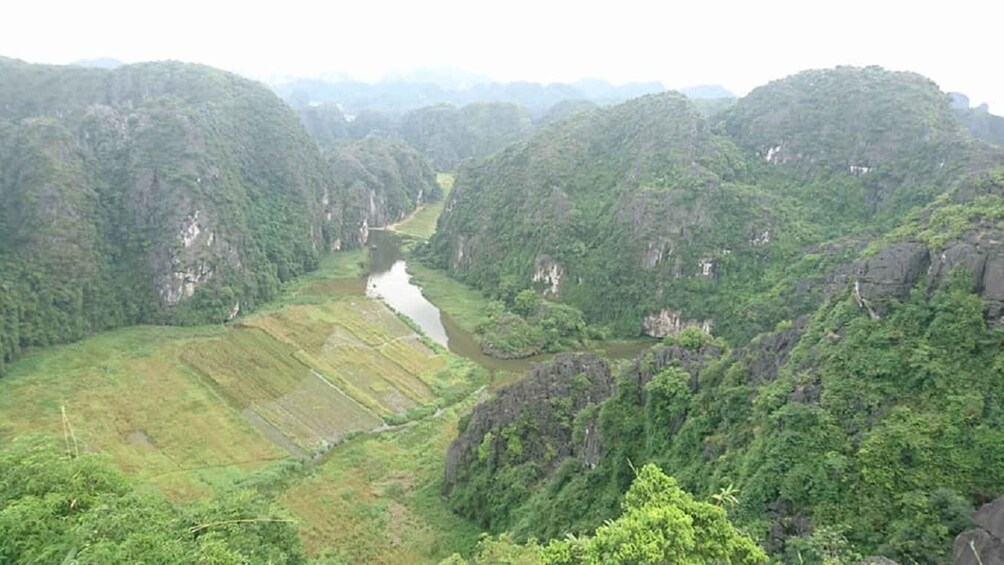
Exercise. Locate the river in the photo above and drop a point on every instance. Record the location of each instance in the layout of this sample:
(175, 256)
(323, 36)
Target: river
(389, 281)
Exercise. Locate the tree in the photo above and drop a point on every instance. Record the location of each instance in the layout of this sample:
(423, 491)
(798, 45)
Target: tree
(526, 303)
(660, 524)
(56, 508)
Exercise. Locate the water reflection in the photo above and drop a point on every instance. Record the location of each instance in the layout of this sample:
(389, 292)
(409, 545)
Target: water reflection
(395, 289)
(389, 281)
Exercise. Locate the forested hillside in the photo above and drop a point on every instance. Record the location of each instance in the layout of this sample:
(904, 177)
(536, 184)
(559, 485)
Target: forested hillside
(383, 179)
(444, 134)
(844, 242)
(821, 262)
(650, 217)
(167, 192)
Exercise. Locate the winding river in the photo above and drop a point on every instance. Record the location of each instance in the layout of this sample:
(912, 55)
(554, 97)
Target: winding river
(389, 281)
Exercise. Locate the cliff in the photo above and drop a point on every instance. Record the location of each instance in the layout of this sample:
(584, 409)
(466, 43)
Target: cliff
(165, 192)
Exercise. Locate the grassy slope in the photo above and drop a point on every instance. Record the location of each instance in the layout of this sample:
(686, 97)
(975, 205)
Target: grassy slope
(422, 224)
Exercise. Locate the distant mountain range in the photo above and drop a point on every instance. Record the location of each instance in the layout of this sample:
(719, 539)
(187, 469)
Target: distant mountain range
(400, 95)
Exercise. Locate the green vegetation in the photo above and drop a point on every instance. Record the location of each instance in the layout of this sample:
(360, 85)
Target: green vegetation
(315, 368)
(882, 431)
(377, 499)
(188, 174)
(660, 523)
(129, 396)
(529, 326)
(422, 224)
(837, 229)
(200, 411)
(465, 305)
(626, 211)
(170, 193)
(383, 180)
(65, 505)
(448, 135)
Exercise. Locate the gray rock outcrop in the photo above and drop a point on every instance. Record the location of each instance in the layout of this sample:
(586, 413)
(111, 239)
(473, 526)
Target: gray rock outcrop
(549, 396)
(666, 323)
(985, 544)
(889, 274)
(893, 271)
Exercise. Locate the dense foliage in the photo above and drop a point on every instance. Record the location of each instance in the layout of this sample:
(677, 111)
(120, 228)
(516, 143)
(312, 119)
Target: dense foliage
(445, 134)
(659, 523)
(884, 431)
(870, 424)
(528, 325)
(628, 211)
(448, 135)
(383, 180)
(60, 508)
(168, 192)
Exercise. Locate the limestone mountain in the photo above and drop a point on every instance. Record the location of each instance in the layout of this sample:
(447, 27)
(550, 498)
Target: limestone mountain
(869, 427)
(444, 134)
(382, 180)
(158, 192)
(650, 217)
(978, 120)
(396, 96)
(448, 135)
(856, 273)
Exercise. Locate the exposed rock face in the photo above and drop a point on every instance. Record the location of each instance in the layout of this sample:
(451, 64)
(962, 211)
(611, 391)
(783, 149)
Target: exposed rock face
(889, 274)
(567, 385)
(549, 272)
(665, 323)
(653, 255)
(892, 272)
(985, 544)
(982, 254)
(765, 356)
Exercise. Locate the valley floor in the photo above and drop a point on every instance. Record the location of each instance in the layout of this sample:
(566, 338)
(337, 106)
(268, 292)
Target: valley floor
(325, 376)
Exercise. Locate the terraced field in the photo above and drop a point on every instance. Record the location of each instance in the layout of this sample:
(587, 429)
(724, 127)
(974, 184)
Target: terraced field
(195, 409)
(315, 373)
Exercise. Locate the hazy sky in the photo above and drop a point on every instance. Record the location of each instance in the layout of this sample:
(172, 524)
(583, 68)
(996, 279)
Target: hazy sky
(739, 44)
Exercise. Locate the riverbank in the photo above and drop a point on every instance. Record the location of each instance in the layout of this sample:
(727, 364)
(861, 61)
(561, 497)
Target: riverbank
(422, 222)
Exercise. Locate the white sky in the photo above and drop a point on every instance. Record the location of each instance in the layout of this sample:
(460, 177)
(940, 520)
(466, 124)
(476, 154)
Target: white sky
(739, 44)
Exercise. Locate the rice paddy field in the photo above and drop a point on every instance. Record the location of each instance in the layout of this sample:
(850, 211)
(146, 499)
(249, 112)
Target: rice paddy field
(323, 375)
(193, 410)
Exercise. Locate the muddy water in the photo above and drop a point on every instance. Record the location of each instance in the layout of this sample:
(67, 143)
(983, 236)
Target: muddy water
(389, 281)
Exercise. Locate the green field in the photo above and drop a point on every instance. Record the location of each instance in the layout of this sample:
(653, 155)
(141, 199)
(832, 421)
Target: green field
(322, 371)
(377, 499)
(422, 224)
(193, 409)
(128, 394)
